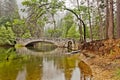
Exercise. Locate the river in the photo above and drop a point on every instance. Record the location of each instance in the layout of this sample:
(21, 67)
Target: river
(44, 63)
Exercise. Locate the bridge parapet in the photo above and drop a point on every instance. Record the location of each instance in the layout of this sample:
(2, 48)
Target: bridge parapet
(57, 41)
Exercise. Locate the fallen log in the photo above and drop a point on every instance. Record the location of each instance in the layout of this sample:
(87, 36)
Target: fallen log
(73, 52)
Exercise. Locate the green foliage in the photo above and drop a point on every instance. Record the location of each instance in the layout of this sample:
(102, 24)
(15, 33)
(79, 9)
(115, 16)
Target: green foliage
(12, 28)
(83, 12)
(6, 36)
(95, 32)
(18, 22)
(11, 63)
(50, 32)
(20, 29)
(53, 33)
(117, 76)
(87, 32)
(67, 23)
(4, 55)
(10, 55)
(73, 33)
(26, 35)
(41, 22)
(58, 33)
(83, 9)
(6, 22)
(27, 3)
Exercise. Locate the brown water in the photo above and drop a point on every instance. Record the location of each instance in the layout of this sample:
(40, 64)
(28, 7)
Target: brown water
(25, 64)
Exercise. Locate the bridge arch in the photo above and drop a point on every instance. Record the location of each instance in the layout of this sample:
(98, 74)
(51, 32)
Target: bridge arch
(71, 44)
(34, 42)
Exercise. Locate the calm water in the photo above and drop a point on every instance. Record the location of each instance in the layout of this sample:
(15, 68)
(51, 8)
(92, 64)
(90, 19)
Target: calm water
(31, 64)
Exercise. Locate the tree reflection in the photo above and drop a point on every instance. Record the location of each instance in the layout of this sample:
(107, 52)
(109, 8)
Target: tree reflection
(86, 72)
(34, 68)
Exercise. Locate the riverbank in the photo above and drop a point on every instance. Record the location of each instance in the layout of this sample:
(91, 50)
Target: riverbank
(103, 67)
(6, 46)
(103, 57)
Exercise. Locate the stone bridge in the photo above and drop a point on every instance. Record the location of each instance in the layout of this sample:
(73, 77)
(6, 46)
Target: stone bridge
(56, 41)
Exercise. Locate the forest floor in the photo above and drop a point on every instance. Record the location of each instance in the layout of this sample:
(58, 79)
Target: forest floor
(103, 57)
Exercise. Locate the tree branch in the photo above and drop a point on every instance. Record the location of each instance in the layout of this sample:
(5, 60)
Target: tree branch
(80, 20)
(42, 5)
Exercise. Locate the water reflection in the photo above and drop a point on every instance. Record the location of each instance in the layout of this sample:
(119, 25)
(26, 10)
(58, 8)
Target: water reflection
(29, 65)
(21, 74)
(86, 72)
(42, 47)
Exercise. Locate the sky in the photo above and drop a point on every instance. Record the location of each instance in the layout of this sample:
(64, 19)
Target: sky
(20, 6)
(68, 4)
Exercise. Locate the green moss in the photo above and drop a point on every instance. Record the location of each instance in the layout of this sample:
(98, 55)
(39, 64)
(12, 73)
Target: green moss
(117, 76)
(19, 45)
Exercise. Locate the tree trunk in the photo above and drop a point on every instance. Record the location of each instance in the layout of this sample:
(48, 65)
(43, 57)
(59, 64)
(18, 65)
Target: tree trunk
(79, 18)
(118, 18)
(91, 37)
(80, 23)
(54, 25)
(0, 8)
(111, 21)
(54, 22)
(107, 20)
(101, 31)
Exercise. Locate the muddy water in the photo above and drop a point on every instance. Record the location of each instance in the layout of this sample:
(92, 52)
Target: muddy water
(29, 64)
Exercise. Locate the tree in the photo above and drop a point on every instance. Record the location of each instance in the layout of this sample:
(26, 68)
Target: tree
(6, 36)
(107, 19)
(67, 24)
(79, 22)
(8, 12)
(111, 21)
(73, 33)
(93, 15)
(9, 8)
(79, 18)
(0, 8)
(36, 18)
(118, 18)
(100, 8)
(20, 29)
(39, 12)
(89, 15)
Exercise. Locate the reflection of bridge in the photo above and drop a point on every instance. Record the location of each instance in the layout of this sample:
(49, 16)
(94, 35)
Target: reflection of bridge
(56, 52)
(56, 41)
